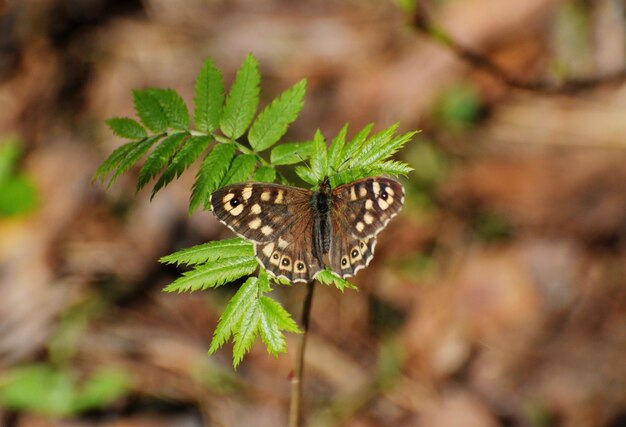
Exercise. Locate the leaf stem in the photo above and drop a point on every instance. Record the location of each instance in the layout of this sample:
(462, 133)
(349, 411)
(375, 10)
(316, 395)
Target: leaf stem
(295, 410)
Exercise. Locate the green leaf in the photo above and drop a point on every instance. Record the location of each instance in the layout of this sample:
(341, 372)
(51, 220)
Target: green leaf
(126, 128)
(214, 274)
(18, 196)
(307, 175)
(327, 277)
(134, 154)
(185, 156)
(240, 169)
(336, 148)
(159, 158)
(350, 175)
(102, 388)
(231, 317)
(246, 332)
(353, 147)
(275, 313)
(173, 106)
(272, 122)
(10, 152)
(393, 167)
(209, 98)
(113, 160)
(381, 146)
(319, 157)
(290, 153)
(149, 110)
(265, 174)
(211, 173)
(211, 251)
(242, 100)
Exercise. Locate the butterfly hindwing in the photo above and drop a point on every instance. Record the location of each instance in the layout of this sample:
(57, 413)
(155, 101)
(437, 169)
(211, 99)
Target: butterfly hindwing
(260, 212)
(368, 204)
(290, 256)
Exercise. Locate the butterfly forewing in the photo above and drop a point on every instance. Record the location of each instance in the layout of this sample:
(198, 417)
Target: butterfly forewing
(278, 220)
(366, 206)
(260, 212)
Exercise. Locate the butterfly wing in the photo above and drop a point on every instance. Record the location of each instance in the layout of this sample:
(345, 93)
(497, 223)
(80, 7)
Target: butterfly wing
(278, 220)
(360, 210)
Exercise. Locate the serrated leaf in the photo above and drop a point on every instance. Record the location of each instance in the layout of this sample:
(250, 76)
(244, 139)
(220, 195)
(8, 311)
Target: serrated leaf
(113, 160)
(133, 155)
(350, 175)
(173, 106)
(353, 147)
(233, 313)
(336, 148)
(272, 122)
(245, 332)
(211, 173)
(126, 128)
(211, 251)
(159, 158)
(240, 169)
(290, 153)
(278, 315)
(242, 100)
(319, 157)
(209, 98)
(306, 174)
(381, 146)
(327, 277)
(149, 110)
(185, 156)
(265, 174)
(214, 274)
(393, 167)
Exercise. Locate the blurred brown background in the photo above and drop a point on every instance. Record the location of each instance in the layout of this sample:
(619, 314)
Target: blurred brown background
(497, 297)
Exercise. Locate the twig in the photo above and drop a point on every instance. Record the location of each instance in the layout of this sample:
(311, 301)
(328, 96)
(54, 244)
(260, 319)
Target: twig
(295, 409)
(421, 21)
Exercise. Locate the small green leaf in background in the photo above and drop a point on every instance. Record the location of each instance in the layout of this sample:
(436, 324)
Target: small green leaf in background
(18, 194)
(192, 149)
(242, 100)
(211, 173)
(159, 158)
(126, 128)
(149, 110)
(458, 107)
(291, 153)
(240, 169)
(46, 390)
(209, 98)
(211, 251)
(272, 122)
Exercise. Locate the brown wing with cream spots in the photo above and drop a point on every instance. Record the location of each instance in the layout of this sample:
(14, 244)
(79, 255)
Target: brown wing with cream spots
(260, 212)
(367, 205)
(290, 256)
(348, 254)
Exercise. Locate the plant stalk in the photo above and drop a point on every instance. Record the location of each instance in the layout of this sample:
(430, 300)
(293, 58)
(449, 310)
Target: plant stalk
(295, 410)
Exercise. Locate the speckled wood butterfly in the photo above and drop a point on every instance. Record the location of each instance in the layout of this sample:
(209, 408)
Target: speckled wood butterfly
(298, 232)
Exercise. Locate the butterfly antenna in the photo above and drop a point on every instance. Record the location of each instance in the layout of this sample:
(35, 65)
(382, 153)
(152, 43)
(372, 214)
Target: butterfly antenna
(303, 160)
(342, 164)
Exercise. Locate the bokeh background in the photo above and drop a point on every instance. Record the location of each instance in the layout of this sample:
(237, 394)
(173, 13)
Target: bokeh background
(496, 298)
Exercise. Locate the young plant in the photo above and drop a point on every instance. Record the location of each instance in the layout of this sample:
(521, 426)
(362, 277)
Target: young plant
(236, 147)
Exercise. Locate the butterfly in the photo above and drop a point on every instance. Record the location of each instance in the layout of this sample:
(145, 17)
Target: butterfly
(298, 232)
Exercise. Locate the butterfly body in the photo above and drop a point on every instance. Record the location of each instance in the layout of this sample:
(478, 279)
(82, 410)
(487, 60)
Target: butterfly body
(298, 232)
